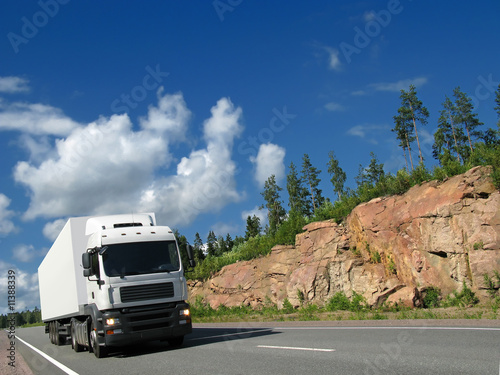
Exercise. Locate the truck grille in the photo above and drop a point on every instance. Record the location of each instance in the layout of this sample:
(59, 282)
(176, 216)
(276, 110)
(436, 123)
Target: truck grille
(145, 292)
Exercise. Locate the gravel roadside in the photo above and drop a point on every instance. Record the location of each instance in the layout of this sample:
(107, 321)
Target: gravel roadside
(21, 367)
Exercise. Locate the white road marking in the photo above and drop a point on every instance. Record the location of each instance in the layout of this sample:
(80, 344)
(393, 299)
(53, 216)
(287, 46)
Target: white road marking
(414, 328)
(67, 370)
(295, 348)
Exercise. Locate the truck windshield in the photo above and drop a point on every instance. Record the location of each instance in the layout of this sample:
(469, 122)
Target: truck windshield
(140, 258)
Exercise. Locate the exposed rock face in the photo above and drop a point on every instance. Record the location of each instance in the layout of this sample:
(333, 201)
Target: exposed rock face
(392, 248)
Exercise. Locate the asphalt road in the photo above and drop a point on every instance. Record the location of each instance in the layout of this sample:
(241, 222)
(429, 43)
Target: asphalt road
(293, 348)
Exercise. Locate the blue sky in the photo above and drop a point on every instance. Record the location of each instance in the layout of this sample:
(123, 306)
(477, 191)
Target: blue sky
(185, 108)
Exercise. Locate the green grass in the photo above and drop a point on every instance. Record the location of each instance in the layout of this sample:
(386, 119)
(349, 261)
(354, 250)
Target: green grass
(461, 304)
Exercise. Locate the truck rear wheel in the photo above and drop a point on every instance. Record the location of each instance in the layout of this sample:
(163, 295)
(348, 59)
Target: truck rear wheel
(99, 351)
(51, 333)
(58, 339)
(74, 343)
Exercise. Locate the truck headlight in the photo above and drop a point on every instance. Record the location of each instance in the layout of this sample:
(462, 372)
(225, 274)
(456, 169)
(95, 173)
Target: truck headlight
(112, 321)
(184, 312)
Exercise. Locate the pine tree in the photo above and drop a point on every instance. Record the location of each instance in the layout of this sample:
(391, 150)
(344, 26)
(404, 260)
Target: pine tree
(211, 243)
(297, 193)
(275, 211)
(466, 117)
(221, 245)
(311, 179)
(404, 134)
(253, 227)
(338, 175)
(375, 170)
(412, 109)
(448, 138)
(198, 248)
(229, 242)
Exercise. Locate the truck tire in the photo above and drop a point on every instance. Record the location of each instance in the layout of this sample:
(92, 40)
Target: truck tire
(176, 341)
(74, 343)
(58, 339)
(51, 333)
(99, 351)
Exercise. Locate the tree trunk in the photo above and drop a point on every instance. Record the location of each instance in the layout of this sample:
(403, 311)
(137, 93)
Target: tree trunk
(416, 134)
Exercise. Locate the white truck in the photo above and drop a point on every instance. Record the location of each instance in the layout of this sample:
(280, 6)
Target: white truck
(111, 281)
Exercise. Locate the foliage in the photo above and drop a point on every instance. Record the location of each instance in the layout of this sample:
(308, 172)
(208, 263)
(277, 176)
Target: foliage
(411, 112)
(431, 297)
(290, 228)
(339, 301)
(297, 193)
(465, 298)
(287, 306)
(491, 285)
(338, 175)
(253, 227)
(310, 176)
(275, 211)
(23, 318)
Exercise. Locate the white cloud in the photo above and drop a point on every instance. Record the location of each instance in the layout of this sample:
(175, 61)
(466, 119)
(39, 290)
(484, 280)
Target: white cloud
(25, 253)
(334, 107)
(107, 167)
(368, 132)
(51, 230)
(38, 119)
(369, 16)
(27, 296)
(399, 85)
(6, 225)
(222, 229)
(169, 117)
(205, 179)
(269, 161)
(13, 85)
(260, 213)
(333, 58)
(359, 93)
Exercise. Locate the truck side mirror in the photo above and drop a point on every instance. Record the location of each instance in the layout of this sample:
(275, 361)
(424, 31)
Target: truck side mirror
(189, 250)
(87, 264)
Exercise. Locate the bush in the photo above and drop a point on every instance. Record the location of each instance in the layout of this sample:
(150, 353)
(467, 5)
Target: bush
(287, 306)
(465, 298)
(339, 301)
(432, 297)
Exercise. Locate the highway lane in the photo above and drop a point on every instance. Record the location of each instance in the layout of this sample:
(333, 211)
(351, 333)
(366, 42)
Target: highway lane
(270, 348)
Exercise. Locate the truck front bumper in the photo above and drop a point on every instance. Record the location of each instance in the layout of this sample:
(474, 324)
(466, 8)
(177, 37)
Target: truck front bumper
(146, 323)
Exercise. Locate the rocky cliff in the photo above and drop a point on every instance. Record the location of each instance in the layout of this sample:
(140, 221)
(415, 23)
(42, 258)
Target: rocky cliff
(389, 249)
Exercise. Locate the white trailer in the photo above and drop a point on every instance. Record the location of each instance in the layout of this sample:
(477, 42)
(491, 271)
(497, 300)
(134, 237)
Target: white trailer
(114, 280)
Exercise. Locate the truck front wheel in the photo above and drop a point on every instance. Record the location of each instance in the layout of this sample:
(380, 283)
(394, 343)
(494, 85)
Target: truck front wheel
(99, 351)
